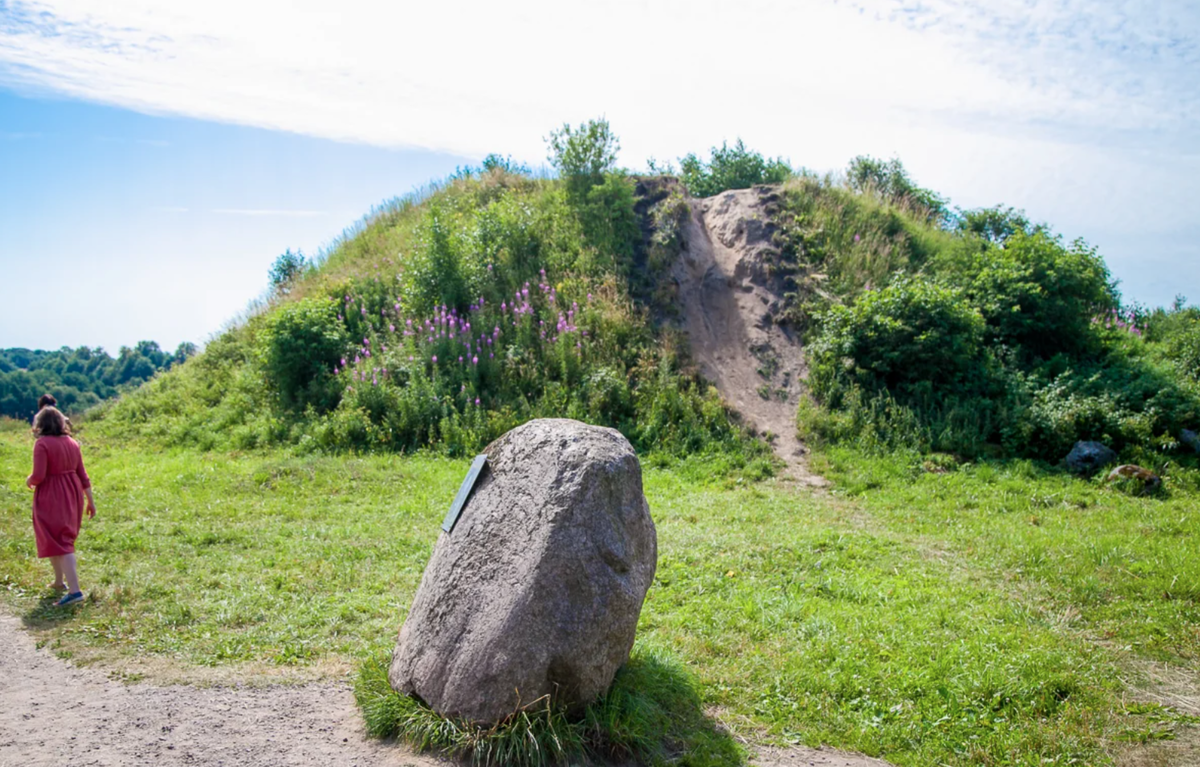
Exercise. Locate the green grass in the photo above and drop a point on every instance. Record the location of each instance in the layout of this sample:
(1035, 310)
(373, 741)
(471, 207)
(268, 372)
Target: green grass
(652, 713)
(984, 616)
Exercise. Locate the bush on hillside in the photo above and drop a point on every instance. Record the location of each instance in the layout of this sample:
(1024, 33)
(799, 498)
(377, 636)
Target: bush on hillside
(1037, 294)
(993, 225)
(890, 180)
(301, 344)
(582, 156)
(729, 167)
(910, 332)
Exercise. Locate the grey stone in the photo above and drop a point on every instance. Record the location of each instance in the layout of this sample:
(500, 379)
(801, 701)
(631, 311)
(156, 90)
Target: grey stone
(1089, 457)
(1190, 438)
(538, 588)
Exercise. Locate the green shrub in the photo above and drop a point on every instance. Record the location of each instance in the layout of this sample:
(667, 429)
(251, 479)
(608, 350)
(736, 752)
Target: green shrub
(729, 167)
(890, 180)
(909, 332)
(582, 156)
(1037, 294)
(300, 347)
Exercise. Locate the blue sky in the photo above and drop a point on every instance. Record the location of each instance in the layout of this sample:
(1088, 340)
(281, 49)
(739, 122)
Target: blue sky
(156, 158)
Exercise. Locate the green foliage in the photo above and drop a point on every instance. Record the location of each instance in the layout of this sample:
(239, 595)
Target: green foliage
(994, 225)
(910, 332)
(582, 156)
(652, 713)
(891, 181)
(301, 344)
(78, 378)
(286, 270)
(1037, 294)
(733, 167)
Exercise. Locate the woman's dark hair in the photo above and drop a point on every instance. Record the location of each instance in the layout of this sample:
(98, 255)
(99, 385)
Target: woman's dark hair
(47, 399)
(49, 422)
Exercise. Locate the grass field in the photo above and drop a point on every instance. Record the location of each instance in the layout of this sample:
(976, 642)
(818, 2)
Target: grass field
(991, 615)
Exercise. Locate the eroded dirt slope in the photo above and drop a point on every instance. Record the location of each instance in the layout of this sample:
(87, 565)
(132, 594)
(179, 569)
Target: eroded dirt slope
(727, 290)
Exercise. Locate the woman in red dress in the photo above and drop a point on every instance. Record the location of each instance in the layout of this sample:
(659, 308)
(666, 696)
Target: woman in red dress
(59, 485)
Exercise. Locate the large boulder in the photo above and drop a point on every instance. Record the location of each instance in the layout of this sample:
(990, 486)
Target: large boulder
(1089, 457)
(537, 589)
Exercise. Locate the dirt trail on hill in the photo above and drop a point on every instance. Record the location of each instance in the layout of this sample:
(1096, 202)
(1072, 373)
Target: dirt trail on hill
(54, 714)
(727, 289)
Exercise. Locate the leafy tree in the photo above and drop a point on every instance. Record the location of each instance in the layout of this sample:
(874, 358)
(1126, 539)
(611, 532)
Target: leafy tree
(286, 270)
(583, 155)
(995, 225)
(733, 167)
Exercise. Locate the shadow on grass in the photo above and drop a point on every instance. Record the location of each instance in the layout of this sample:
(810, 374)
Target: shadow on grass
(653, 714)
(46, 615)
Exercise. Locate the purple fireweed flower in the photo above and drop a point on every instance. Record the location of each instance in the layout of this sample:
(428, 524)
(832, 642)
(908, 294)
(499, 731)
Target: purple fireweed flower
(460, 359)
(856, 238)
(435, 359)
(392, 328)
(491, 356)
(339, 318)
(589, 296)
(366, 342)
(476, 402)
(364, 311)
(410, 359)
(474, 360)
(343, 362)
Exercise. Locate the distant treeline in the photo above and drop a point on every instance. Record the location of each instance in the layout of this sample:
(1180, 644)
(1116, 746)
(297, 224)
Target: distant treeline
(78, 378)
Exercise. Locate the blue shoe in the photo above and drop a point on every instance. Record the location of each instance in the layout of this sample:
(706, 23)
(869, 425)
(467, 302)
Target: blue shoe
(70, 599)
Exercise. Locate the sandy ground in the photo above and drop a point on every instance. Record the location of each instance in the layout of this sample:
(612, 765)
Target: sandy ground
(726, 294)
(52, 713)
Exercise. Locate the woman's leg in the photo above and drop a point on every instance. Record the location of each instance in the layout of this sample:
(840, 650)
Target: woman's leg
(68, 566)
(58, 570)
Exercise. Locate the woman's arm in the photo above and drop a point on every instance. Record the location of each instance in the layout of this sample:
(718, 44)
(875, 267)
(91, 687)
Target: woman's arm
(91, 502)
(39, 465)
(86, 483)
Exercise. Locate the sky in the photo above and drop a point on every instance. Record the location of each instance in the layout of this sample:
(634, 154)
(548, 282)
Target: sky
(155, 158)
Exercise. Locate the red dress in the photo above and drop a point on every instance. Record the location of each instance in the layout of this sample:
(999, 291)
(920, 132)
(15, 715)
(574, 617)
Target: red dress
(58, 496)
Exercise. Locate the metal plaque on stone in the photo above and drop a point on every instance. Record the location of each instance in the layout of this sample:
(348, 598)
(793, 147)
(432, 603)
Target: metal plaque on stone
(464, 492)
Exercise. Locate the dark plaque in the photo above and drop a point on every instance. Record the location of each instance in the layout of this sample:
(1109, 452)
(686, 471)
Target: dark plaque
(464, 492)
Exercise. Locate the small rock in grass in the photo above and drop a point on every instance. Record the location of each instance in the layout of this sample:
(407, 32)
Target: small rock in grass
(1148, 480)
(538, 588)
(1089, 457)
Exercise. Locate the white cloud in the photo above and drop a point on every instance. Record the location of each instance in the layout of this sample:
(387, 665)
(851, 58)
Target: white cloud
(1084, 112)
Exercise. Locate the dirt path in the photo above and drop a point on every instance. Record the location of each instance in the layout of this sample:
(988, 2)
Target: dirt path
(53, 714)
(725, 289)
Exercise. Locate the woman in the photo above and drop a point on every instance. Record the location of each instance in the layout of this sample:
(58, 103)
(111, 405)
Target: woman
(59, 485)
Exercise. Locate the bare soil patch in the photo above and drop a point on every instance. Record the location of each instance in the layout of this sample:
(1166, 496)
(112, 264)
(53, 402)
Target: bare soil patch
(727, 291)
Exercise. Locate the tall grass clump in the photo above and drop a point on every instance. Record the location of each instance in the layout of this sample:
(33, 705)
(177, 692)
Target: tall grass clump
(652, 714)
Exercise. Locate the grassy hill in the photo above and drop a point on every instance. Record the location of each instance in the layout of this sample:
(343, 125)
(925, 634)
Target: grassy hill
(268, 506)
(449, 317)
